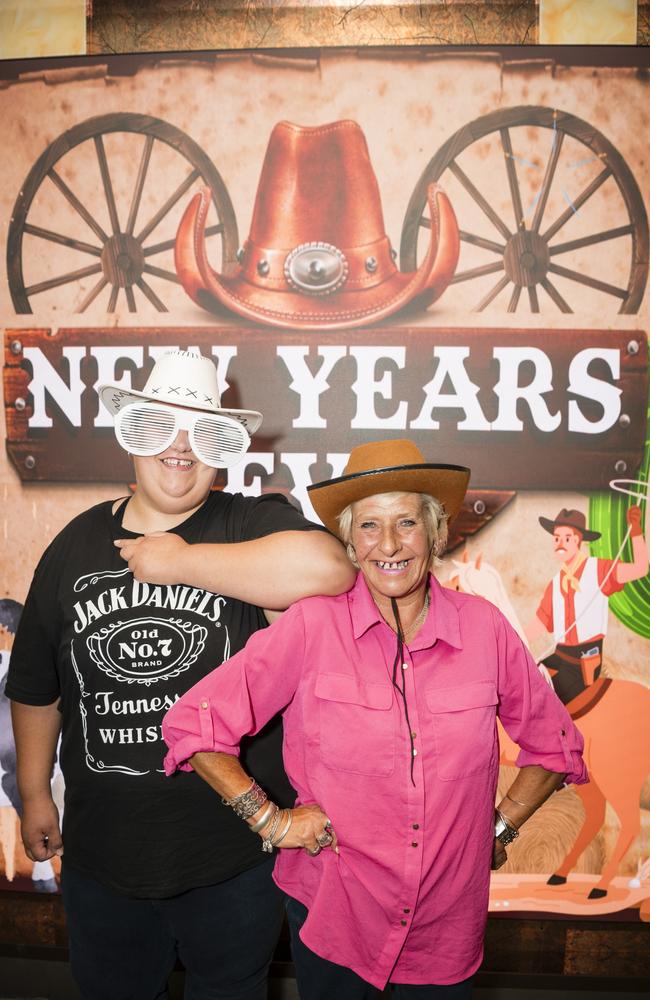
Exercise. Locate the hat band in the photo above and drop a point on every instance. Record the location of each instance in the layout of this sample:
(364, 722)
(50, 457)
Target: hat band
(332, 268)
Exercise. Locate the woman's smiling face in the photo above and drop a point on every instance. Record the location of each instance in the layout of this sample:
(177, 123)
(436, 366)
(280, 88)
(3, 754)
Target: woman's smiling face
(391, 543)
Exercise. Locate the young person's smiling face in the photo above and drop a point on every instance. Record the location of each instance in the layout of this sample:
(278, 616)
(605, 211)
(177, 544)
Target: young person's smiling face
(174, 482)
(392, 546)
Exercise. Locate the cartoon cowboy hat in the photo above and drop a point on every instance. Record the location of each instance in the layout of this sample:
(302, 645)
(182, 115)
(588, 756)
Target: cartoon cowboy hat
(317, 256)
(568, 518)
(388, 467)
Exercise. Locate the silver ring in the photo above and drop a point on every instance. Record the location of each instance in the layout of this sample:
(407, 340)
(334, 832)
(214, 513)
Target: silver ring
(328, 823)
(324, 839)
(313, 853)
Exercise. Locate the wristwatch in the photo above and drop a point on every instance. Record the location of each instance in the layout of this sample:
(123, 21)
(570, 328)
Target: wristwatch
(503, 830)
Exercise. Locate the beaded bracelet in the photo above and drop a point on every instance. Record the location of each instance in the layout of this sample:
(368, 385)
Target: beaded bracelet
(249, 802)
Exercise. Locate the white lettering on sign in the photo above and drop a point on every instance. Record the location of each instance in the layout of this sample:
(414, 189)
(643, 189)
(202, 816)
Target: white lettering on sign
(581, 383)
(240, 482)
(46, 381)
(451, 367)
(509, 391)
(309, 386)
(517, 392)
(47, 384)
(368, 386)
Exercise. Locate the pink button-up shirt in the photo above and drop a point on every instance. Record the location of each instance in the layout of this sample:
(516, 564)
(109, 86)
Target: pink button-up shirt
(406, 898)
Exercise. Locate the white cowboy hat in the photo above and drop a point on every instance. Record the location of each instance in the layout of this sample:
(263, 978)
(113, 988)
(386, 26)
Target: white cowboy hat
(179, 378)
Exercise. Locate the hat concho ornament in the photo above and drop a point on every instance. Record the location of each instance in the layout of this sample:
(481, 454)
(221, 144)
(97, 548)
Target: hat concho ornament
(316, 268)
(317, 254)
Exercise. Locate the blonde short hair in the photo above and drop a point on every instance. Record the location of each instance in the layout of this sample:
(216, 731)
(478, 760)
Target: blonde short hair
(435, 522)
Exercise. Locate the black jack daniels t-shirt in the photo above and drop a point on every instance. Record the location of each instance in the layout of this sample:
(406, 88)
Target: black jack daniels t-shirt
(119, 654)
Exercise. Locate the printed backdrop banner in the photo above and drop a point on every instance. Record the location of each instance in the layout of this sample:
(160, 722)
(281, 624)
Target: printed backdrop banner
(367, 244)
(519, 403)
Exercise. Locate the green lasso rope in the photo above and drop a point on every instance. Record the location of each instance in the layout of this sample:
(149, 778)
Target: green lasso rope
(607, 515)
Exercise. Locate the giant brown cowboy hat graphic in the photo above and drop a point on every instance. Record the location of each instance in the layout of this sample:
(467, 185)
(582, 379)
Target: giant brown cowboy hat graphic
(317, 255)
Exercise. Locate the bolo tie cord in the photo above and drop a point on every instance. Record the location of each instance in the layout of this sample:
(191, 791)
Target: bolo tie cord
(398, 672)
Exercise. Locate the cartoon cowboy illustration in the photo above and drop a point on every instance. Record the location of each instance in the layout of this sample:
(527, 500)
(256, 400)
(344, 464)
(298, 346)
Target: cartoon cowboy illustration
(574, 606)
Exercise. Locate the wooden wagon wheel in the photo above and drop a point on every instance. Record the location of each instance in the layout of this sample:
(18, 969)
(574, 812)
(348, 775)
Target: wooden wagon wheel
(122, 256)
(527, 253)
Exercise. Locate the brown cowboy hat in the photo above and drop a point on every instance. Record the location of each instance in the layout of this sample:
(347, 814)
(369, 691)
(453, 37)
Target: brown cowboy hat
(388, 467)
(317, 256)
(570, 519)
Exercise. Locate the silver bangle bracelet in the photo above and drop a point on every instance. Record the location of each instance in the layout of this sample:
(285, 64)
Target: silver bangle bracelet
(267, 842)
(278, 840)
(264, 818)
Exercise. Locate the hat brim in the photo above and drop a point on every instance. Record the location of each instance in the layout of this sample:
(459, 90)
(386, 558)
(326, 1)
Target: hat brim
(116, 397)
(343, 309)
(446, 483)
(550, 526)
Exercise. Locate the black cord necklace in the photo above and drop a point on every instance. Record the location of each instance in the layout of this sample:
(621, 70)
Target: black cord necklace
(397, 662)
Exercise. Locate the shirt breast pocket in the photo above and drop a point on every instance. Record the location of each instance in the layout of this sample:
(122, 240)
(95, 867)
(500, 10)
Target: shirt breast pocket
(356, 725)
(464, 727)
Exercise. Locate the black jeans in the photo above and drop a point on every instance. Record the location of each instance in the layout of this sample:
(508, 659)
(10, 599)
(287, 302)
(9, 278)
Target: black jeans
(319, 979)
(125, 949)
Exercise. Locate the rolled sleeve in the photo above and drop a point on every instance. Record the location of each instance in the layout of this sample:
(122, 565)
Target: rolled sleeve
(188, 729)
(532, 714)
(239, 697)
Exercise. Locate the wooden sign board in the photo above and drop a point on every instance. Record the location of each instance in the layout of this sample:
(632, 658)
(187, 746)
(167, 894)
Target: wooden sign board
(525, 409)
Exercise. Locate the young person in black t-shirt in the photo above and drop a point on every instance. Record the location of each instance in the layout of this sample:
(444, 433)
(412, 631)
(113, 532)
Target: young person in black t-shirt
(155, 868)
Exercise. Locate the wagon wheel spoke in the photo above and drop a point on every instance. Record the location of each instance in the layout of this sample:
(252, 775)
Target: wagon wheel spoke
(159, 272)
(588, 241)
(169, 204)
(493, 294)
(112, 302)
(106, 182)
(477, 272)
(575, 205)
(553, 293)
(66, 241)
(113, 245)
(513, 182)
(544, 191)
(479, 241)
(585, 279)
(92, 294)
(151, 295)
(534, 300)
(461, 176)
(64, 279)
(139, 184)
(169, 244)
(514, 299)
(58, 181)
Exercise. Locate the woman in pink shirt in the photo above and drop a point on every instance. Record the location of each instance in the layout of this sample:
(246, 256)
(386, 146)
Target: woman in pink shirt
(390, 695)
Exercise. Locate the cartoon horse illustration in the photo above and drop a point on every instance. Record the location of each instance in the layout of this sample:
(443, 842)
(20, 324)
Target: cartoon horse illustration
(614, 724)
